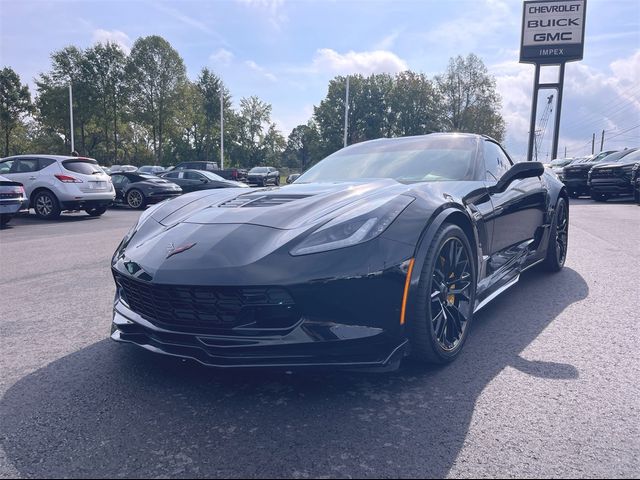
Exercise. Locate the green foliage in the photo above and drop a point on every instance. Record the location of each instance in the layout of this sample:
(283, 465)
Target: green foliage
(15, 102)
(141, 108)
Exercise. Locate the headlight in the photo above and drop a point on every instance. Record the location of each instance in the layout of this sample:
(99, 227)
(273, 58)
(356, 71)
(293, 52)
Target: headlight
(357, 225)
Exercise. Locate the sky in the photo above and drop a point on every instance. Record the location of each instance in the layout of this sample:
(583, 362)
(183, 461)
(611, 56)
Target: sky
(286, 51)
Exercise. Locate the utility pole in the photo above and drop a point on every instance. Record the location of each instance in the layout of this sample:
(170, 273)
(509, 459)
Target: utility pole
(593, 144)
(73, 146)
(221, 128)
(346, 113)
(602, 141)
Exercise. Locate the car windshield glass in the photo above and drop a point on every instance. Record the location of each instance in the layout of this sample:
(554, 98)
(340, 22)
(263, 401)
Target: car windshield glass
(211, 176)
(418, 159)
(86, 167)
(258, 170)
(560, 161)
(616, 157)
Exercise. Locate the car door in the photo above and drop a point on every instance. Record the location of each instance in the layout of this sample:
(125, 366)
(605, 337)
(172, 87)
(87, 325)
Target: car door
(518, 210)
(26, 171)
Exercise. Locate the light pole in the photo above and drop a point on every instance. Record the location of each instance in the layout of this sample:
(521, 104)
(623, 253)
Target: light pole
(221, 128)
(346, 113)
(73, 147)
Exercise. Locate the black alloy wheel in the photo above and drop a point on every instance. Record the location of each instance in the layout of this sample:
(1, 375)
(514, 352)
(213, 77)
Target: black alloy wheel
(136, 199)
(46, 205)
(444, 310)
(558, 238)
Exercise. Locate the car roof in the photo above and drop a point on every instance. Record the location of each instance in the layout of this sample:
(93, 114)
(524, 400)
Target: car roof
(52, 157)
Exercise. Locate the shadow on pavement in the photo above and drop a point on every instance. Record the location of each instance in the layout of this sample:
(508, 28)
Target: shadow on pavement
(112, 410)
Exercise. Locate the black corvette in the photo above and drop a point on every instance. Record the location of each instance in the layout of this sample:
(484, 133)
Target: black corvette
(138, 190)
(384, 249)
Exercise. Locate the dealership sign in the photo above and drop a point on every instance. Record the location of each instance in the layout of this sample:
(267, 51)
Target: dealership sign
(552, 31)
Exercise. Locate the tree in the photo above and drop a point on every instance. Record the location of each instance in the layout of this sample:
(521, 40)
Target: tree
(102, 67)
(210, 85)
(253, 119)
(470, 100)
(415, 105)
(303, 147)
(156, 73)
(15, 101)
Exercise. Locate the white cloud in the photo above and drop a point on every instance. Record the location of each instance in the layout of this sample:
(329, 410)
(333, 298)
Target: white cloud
(329, 61)
(594, 100)
(271, 9)
(113, 36)
(222, 56)
(388, 41)
(261, 70)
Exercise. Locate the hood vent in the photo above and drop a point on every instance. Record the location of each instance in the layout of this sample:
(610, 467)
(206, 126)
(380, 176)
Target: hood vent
(260, 200)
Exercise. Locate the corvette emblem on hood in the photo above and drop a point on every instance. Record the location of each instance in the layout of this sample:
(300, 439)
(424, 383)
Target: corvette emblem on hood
(172, 250)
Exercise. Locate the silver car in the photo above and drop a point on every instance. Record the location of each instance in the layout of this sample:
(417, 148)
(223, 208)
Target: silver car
(12, 199)
(56, 183)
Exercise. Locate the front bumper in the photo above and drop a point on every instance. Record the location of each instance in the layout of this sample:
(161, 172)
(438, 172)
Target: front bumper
(155, 197)
(307, 344)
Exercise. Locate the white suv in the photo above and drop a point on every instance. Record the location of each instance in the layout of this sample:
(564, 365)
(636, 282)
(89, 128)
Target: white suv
(55, 183)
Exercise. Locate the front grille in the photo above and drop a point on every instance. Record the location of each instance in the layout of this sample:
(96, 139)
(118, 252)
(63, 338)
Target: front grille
(604, 173)
(208, 308)
(576, 173)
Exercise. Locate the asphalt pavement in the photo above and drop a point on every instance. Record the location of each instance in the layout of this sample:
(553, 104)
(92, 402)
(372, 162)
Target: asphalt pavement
(548, 383)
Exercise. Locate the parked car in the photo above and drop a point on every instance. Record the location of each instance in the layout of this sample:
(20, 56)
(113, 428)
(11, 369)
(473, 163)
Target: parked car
(237, 174)
(193, 180)
(262, 176)
(137, 190)
(612, 177)
(357, 264)
(151, 169)
(122, 168)
(56, 183)
(635, 182)
(558, 164)
(575, 175)
(12, 199)
(293, 177)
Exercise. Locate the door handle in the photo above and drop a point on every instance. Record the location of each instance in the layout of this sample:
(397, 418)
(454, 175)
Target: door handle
(32, 178)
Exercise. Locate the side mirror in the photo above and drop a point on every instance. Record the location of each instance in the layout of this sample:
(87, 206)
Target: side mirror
(519, 170)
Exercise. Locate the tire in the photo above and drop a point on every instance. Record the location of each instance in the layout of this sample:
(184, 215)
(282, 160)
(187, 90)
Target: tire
(600, 197)
(46, 205)
(277, 181)
(96, 212)
(558, 238)
(4, 219)
(428, 330)
(136, 199)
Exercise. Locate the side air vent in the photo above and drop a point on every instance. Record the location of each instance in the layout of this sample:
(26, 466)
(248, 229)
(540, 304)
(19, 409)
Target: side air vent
(260, 201)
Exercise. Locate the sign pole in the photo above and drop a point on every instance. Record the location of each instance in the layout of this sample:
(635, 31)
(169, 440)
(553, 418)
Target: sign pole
(556, 125)
(534, 113)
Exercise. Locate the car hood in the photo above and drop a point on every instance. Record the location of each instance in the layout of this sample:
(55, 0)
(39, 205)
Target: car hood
(285, 208)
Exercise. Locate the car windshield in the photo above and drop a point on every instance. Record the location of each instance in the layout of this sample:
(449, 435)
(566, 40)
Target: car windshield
(414, 159)
(561, 161)
(258, 170)
(211, 176)
(616, 157)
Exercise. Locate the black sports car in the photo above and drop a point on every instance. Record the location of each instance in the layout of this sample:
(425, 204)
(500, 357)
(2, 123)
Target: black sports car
(383, 249)
(194, 180)
(612, 177)
(141, 189)
(262, 176)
